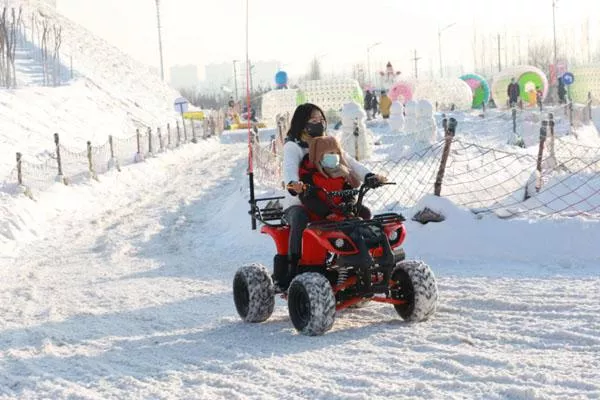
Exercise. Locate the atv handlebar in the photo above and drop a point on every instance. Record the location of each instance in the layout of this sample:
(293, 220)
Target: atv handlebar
(348, 205)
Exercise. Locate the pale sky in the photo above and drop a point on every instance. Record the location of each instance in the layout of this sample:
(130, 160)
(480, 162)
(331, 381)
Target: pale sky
(339, 32)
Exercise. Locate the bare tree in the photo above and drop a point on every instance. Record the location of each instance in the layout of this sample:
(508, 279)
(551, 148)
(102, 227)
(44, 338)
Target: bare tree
(358, 73)
(3, 48)
(315, 70)
(45, 31)
(540, 55)
(56, 55)
(12, 49)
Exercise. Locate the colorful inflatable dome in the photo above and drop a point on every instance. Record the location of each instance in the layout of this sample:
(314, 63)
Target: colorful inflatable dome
(480, 88)
(587, 79)
(401, 91)
(528, 77)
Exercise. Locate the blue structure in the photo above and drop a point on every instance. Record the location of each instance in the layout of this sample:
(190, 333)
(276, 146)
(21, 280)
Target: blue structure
(281, 80)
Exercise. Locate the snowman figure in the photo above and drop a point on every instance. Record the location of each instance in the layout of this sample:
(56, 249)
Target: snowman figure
(426, 122)
(410, 121)
(396, 119)
(355, 138)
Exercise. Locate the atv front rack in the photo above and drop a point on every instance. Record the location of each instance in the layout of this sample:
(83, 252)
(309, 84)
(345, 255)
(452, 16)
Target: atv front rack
(377, 220)
(271, 214)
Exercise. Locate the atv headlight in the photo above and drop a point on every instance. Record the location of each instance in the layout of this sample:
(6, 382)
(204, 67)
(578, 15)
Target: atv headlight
(394, 237)
(341, 244)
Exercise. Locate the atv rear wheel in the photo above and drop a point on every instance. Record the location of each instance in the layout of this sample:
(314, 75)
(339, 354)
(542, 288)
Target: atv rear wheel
(414, 282)
(311, 303)
(253, 293)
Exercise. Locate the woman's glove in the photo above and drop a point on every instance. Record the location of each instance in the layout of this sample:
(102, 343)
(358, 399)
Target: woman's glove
(296, 187)
(374, 180)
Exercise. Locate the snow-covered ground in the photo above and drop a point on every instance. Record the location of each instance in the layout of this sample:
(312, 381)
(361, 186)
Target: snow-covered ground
(122, 288)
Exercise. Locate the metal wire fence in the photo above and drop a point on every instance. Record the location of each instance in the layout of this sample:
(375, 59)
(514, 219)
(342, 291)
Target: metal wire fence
(561, 178)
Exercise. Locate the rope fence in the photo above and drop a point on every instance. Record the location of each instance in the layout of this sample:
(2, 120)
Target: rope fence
(67, 166)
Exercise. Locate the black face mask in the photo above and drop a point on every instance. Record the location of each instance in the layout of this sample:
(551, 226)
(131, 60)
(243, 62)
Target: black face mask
(315, 129)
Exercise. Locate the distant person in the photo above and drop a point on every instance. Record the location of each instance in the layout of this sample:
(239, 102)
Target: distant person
(562, 91)
(532, 95)
(374, 105)
(368, 100)
(385, 103)
(513, 91)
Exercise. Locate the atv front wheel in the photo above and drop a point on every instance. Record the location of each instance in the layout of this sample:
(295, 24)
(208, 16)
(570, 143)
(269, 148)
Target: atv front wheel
(253, 293)
(414, 282)
(311, 304)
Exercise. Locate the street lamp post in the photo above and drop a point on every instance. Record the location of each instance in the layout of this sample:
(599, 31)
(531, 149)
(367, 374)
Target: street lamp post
(369, 59)
(440, 45)
(554, 29)
(160, 51)
(235, 79)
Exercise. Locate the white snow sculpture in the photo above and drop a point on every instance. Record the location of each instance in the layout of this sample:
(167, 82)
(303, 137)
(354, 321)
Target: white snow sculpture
(410, 121)
(396, 119)
(355, 138)
(447, 93)
(427, 129)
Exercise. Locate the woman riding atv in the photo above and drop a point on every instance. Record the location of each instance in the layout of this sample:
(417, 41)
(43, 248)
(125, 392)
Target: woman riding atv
(308, 123)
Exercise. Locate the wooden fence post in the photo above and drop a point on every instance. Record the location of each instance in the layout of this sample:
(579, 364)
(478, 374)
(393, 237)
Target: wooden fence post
(150, 141)
(178, 133)
(112, 163)
(552, 161)
(138, 156)
(543, 133)
(450, 131)
(514, 119)
(161, 146)
(168, 135)
(571, 115)
(205, 132)
(90, 161)
(19, 171)
(137, 138)
(60, 177)
(112, 148)
(194, 140)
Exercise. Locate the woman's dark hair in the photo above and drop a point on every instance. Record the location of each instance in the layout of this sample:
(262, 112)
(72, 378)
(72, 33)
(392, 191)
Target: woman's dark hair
(300, 118)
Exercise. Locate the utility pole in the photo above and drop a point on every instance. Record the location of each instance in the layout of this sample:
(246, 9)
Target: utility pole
(416, 60)
(499, 55)
(235, 79)
(554, 29)
(369, 60)
(160, 51)
(440, 30)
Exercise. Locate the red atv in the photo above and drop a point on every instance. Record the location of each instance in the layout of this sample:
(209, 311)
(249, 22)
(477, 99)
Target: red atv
(343, 263)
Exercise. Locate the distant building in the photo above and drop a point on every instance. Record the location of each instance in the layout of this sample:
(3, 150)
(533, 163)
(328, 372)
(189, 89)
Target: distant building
(184, 76)
(220, 77)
